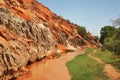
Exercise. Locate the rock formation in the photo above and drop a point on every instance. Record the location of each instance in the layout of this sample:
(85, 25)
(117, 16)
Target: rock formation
(29, 31)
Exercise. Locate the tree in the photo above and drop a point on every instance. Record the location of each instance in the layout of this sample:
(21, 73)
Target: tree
(110, 38)
(112, 44)
(96, 38)
(106, 31)
(82, 31)
(117, 35)
(116, 40)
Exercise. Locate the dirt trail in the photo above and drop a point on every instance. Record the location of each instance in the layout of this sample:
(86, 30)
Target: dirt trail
(54, 69)
(108, 69)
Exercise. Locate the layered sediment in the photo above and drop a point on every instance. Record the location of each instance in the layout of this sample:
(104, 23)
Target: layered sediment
(29, 31)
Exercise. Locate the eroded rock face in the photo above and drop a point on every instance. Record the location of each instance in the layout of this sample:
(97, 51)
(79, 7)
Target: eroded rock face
(22, 41)
(62, 30)
(29, 31)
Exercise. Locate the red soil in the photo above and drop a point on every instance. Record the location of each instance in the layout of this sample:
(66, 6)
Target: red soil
(53, 69)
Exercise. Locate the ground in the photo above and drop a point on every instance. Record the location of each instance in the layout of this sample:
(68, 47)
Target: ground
(55, 69)
(52, 69)
(108, 69)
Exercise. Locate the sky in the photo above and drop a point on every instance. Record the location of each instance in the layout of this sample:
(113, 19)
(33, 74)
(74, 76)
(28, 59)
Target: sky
(93, 14)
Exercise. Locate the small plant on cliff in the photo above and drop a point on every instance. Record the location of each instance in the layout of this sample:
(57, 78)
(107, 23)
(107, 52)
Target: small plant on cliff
(82, 32)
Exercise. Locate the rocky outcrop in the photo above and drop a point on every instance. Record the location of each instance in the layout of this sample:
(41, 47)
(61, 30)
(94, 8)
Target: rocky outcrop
(29, 31)
(22, 41)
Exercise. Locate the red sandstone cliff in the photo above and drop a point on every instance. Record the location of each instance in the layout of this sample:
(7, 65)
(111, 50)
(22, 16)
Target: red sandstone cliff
(29, 31)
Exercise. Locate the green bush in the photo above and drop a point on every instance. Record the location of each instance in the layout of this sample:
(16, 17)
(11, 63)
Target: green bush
(110, 38)
(82, 31)
(106, 31)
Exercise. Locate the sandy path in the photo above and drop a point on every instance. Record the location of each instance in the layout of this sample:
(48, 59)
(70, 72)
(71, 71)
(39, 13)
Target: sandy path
(108, 69)
(54, 69)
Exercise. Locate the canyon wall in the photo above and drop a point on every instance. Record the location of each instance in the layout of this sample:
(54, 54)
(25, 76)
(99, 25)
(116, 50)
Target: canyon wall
(29, 31)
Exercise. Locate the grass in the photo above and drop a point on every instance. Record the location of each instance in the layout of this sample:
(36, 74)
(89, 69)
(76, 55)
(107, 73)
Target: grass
(84, 68)
(109, 58)
(105, 56)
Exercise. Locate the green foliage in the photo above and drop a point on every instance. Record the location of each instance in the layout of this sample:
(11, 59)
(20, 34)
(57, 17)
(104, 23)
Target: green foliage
(96, 38)
(84, 68)
(117, 34)
(106, 31)
(110, 38)
(108, 57)
(112, 45)
(82, 31)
